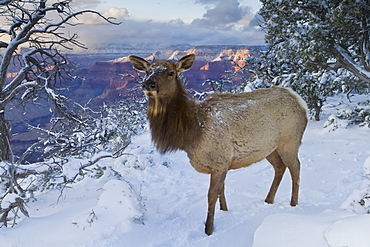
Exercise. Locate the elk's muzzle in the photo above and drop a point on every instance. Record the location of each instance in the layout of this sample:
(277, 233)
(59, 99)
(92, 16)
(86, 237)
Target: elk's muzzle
(149, 88)
(148, 85)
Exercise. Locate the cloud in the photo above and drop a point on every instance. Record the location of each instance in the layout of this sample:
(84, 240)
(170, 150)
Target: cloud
(256, 21)
(166, 33)
(86, 4)
(207, 1)
(177, 21)
(225, 22)
(224, 15)
(117, 13)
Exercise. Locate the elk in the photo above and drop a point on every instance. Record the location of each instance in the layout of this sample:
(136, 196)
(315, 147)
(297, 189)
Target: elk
(225, 131)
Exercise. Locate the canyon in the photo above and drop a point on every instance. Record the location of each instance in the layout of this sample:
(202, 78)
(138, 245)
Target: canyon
(105, 76)
(107, 81)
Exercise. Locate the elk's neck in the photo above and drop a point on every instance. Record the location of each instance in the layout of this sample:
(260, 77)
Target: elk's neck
(175, 122)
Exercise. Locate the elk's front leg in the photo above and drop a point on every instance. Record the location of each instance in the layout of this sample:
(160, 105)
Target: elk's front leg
(215, 187)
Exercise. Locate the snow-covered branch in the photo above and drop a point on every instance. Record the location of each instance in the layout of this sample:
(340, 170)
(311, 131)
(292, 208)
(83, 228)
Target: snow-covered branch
(18, 89)
(56, 26)
(351, 65)
(20, 82)
(29, 25)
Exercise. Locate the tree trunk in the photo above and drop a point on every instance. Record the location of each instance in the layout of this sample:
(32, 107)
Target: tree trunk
(4, 137)
(317, 113)
(317, 110)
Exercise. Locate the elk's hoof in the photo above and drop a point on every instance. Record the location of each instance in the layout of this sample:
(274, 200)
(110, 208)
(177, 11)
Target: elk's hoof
(209, 230)
(269, 201)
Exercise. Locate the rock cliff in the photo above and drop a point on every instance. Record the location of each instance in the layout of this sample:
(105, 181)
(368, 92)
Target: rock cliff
(112, 80)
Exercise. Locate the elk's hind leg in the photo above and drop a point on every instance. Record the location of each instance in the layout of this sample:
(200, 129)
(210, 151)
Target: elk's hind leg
(295, 172)
(290, 159)
(279, 167)
(223, 205)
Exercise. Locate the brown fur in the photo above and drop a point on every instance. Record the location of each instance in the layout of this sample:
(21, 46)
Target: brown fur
(172, 121)
(225, 131)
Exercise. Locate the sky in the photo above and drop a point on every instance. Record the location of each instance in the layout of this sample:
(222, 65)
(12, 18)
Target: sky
(170, 22)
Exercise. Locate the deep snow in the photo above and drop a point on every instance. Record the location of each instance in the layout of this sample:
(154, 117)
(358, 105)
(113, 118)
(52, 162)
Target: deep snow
(145, 199)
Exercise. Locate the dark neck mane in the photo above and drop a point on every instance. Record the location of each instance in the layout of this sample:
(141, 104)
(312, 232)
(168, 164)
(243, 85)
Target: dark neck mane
(174, 121)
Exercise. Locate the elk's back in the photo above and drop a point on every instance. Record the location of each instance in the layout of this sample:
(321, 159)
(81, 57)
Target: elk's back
(241, 129)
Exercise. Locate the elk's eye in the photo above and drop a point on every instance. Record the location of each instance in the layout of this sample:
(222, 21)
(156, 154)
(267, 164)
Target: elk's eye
(171, 73)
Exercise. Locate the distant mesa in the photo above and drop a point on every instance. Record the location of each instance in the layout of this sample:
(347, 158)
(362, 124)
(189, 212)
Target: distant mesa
(203, 53)
(210, 63)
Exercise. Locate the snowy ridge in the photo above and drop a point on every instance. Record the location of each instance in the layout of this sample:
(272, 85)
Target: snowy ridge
(203, 53)
(147, 199)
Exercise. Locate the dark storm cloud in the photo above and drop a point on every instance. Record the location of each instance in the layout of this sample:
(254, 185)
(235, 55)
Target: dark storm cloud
(224, 15)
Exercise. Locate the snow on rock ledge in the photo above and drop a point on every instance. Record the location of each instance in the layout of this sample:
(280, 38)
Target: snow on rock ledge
(329, 228)
(359, 200)
(117, 206)
(350, 232)
(319, 230)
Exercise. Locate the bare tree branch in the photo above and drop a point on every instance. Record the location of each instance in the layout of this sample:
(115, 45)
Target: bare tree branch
(3, 44)
(18, 89)
(27, 23)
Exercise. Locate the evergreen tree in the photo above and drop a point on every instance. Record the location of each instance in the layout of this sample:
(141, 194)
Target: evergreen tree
(317, 34)
(316, 47)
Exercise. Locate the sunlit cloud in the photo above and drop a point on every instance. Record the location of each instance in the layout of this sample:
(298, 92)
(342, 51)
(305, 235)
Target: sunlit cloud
(117, 13)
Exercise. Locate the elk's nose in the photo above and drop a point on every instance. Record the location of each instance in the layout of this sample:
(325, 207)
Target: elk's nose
(149, 85)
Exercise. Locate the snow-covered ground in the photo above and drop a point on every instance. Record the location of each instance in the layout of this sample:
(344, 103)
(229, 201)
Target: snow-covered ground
(145, 199)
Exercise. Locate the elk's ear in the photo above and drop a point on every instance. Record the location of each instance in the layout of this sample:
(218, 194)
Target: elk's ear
(138, 63)
(185, 63)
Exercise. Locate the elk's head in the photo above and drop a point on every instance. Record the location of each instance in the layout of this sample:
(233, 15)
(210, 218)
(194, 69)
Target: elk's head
(162, 75)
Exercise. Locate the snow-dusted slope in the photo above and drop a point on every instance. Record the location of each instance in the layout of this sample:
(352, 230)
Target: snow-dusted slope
(203, 53)
(145, 199)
